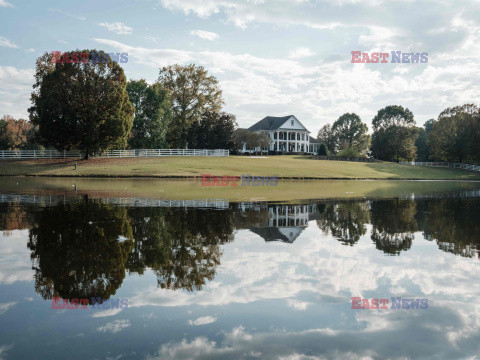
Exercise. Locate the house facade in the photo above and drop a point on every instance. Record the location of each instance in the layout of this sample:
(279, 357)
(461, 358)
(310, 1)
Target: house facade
(288, 135)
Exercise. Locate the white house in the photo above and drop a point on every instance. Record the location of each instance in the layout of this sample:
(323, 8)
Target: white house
(287, 133)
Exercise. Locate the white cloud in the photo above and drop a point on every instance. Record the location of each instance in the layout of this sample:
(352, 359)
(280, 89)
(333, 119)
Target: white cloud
(206, 35)
(117, 27)
(203, 320)
(4, 307)
(4, 3)
(4, 42)
(114, 326)
(298, 304)
(300, 52)
(82, 18)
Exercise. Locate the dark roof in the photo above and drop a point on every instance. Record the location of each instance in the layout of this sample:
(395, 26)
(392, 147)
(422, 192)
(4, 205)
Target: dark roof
(269, 123)
(272, 234)
(312, 140)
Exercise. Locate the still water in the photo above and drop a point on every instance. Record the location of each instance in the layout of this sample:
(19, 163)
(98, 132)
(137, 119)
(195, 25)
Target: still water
(249, 280)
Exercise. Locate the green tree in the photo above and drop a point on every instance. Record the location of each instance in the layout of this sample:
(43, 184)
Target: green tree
(82, 105)
(212, 131)
(193, 92)
(326, 136)
(241, 138)
(456, 134)
(394, 134)
(350, 134)
(152, 114)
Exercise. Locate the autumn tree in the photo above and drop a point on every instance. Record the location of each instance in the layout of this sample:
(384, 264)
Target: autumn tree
(15, 134)
(193, 92)
(81, 105)
(394, 134)
(152, 114)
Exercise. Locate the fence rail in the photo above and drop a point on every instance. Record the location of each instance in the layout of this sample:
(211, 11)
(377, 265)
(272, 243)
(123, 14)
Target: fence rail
(445, 164)
(74, 154)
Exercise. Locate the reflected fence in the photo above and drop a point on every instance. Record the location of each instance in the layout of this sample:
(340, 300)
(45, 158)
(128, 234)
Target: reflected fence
(444, 164)
(132, 153)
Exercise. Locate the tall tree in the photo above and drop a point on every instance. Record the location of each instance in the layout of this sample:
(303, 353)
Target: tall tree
(152, 114)
(455, 136)
(394, 134)
(422, 145)
(212, 131)
(327, 137)
(82, 105)
(350, 134)
(193, 92)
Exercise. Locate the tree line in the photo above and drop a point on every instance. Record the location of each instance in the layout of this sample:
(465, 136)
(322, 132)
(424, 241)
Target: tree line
(90, 106)
(453, 137)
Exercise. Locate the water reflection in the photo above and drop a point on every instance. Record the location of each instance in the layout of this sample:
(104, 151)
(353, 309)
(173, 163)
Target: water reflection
(83, 248)
(223, 279)
(80, 250)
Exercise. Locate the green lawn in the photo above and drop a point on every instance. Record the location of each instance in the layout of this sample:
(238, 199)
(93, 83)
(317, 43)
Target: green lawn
(282, 166)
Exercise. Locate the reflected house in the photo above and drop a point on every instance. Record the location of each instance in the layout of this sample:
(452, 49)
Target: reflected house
(285, 222)
(287, 135)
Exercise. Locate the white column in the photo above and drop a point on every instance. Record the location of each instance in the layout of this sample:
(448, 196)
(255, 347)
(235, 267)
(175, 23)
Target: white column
(288, 135)
(278, 140)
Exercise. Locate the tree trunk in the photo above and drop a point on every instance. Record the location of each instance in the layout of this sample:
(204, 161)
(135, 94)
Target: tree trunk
(86, 155)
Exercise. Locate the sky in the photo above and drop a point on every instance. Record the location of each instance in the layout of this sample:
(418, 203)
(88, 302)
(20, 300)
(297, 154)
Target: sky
(272, 57)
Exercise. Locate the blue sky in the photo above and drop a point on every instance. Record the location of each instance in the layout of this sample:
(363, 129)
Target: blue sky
(272, 57)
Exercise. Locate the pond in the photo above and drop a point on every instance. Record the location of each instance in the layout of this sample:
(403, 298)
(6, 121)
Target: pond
(98, 276)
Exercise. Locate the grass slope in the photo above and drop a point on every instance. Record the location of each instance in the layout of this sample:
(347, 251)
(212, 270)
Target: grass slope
(282, 166)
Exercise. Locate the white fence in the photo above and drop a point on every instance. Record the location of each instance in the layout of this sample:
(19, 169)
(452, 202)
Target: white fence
(445, 164)
(74, 154)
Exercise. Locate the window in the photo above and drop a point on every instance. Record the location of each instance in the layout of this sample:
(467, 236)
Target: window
(292, 122)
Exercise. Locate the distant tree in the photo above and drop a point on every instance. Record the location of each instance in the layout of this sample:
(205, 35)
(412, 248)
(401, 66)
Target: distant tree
(264, 141)
(327, 137)
(82, 105)
(455, 136)
(241, 138)
(322, 150)
(423, 148)
(192, 92)
(350, 135)
(394, 134)
(212, 131)
(16, 134)
(152, 114)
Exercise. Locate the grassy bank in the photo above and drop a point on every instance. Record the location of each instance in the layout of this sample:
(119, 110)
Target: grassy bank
(191, 189)
(282, 166)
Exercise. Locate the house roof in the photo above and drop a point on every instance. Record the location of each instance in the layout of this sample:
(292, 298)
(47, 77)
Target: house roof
(272, 123)
(312, 140)
(273, 234)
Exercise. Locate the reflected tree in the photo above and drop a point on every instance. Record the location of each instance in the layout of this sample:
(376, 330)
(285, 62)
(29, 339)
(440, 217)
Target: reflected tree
(393, 224)
(180, 245)
(346, 221)
(455, 225)
(80, 250)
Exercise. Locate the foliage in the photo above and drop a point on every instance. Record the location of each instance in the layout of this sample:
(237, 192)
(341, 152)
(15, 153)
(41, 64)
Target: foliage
(212, 131)
(193, 92)
(152, 115)
(455, 136)
(327, 137)
(16, 134)
(350, 135)
(394, 134)
(81, 105)
(322, 150)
